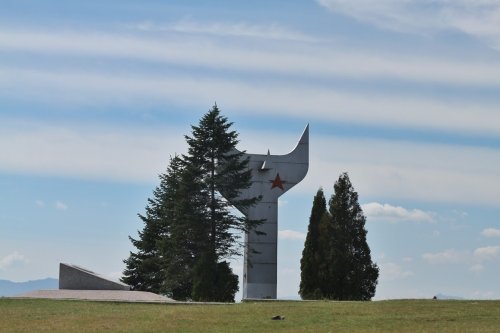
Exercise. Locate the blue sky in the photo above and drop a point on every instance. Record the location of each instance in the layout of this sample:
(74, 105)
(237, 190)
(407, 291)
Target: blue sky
(96, 95)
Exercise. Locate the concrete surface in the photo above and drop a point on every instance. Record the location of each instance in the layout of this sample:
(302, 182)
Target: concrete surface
(98, 295)
(77, 278)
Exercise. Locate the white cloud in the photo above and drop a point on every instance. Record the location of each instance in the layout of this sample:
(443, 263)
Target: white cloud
(403, 170)
(477, 268)
(333, 62)
(106, 153)
(39, 203)
(391, 213)
(446, 257)
(487, 253)
(399, 170)
(240, 29)
(391, 271)
(291, 235)
(288, 99)
(491, 232)
(61, 205)
(474, 260)
(12, 259)
(478, 18)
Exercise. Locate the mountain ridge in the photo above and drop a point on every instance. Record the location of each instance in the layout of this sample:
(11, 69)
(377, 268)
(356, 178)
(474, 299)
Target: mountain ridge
(10, 288)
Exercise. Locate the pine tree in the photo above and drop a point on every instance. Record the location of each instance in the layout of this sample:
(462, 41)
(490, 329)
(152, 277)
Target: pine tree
(312, 257)
(353, 275)
(189, 226)
(217, 169)
(144, 269)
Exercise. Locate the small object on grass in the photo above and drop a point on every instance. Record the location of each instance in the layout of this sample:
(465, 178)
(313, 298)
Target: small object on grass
(278, 318)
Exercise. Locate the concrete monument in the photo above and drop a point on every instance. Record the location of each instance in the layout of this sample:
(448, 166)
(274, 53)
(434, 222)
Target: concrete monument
(272, 176)
(77, 278)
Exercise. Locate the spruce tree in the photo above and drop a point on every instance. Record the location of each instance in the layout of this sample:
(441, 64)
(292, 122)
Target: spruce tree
(190, 225)
(353, 275)
(144, 268)
(217, 169)
(312, 256)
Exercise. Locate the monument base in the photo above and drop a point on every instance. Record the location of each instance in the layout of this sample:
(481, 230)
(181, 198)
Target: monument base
(260, 291)
(77, 278)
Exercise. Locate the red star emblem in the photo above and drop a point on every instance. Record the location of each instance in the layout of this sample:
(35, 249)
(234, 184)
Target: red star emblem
(277, 182)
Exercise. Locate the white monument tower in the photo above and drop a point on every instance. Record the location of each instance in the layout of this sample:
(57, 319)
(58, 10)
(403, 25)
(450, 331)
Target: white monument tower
(272, 175)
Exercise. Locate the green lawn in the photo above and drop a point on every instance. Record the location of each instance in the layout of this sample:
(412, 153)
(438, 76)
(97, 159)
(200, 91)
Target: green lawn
(384, 316)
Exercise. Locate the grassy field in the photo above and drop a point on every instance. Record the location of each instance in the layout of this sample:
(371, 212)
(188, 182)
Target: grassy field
(38, 315)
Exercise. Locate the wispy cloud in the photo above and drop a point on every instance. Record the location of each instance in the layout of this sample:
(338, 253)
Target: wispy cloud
(487, 253)
(288, 99)
(390, 271)
(332, 62)
(12, 259)
(291, 235)
(398, 170)
(105, 153)
(478, 18)
(276, 96)
(476, 268)
(450, 256)
(239, 29)
(391, 213)
(491, 232)
(61, 205)
(475, 260)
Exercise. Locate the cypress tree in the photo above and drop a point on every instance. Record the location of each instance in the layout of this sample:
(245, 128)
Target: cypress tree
(336, 261)
(353, 275)
(312, 258)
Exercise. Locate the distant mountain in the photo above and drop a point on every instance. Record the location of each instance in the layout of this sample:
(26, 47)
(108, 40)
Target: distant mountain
(446, 297)
(9, 288)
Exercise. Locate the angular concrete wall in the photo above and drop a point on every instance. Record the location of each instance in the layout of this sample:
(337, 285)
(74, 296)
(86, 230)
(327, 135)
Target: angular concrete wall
(77, 278)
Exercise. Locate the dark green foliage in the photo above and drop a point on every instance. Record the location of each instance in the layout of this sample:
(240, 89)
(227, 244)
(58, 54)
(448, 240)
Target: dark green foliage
(345, 271)
(190, 228)
(311, 255)
(354, 274)
(219, 173)
(220, 169)
(144, 268)
(219, 285)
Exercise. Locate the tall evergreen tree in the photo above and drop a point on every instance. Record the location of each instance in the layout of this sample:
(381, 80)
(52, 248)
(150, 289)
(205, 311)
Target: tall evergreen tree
(189, 227)
(312, 255)
(178, 248)
(144, 269)
(353, 274)
(336, 262)
(218, 169)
